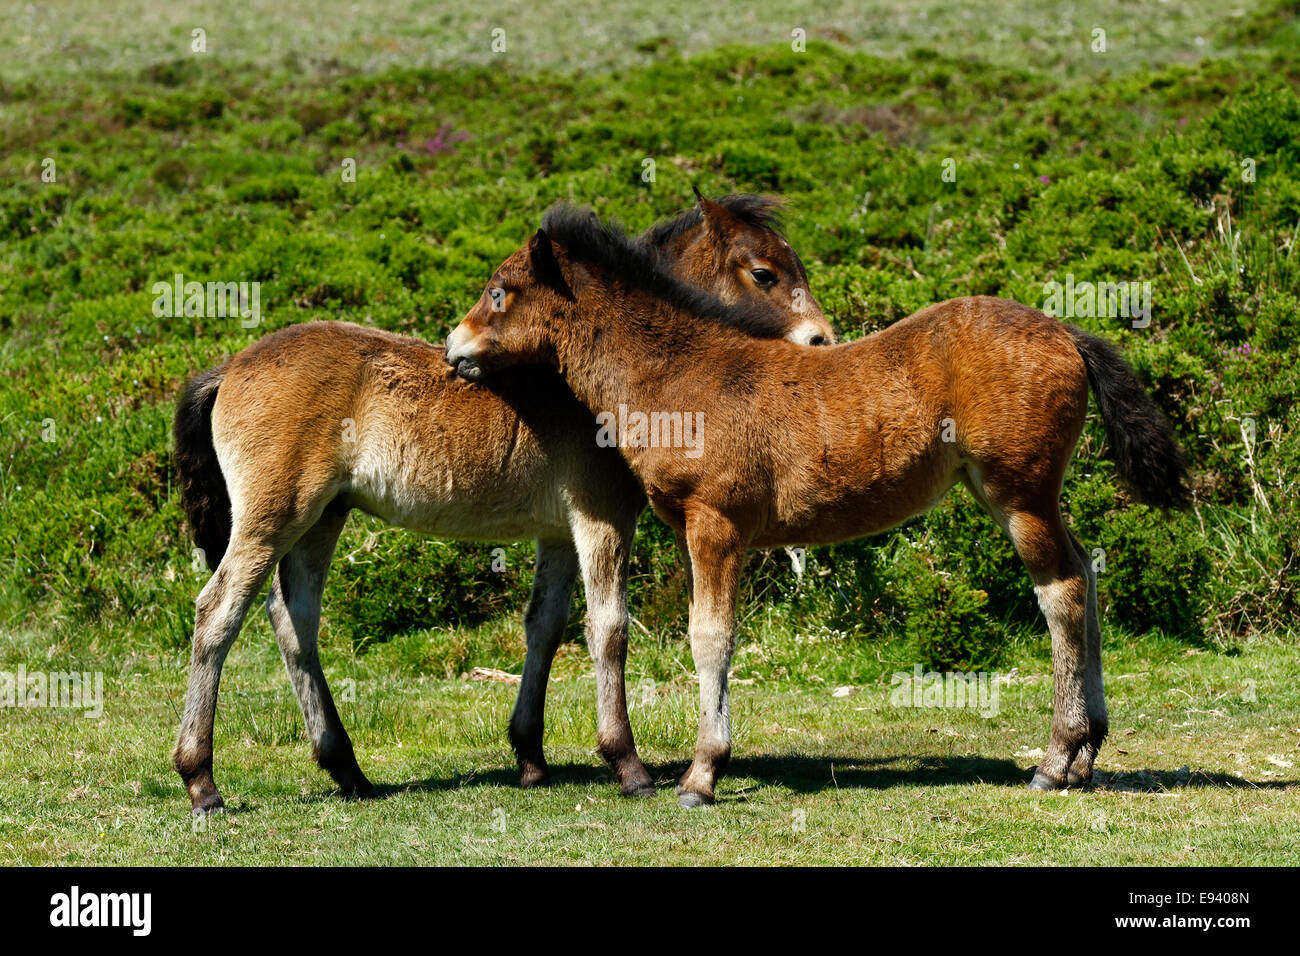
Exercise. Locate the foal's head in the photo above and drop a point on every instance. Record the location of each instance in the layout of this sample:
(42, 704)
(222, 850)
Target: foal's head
(532, 295)
(733, 247)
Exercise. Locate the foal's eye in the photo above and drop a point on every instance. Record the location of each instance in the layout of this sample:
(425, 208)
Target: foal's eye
(764, 277)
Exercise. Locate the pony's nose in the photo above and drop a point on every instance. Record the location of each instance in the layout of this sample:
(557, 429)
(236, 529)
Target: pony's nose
(456, 345)
(469, 370)
(811, 332)
(460, 356)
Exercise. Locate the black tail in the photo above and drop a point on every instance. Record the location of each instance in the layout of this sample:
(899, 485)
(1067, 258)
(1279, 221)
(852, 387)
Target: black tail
(203, 487)
(1141, 440)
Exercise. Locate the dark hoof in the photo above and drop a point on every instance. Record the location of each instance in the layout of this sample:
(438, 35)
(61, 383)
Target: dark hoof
(1043, 782)
(642, 791)
(1078, 781)
(533, 777)
(361, 789)
(689, 799)
(211, 803)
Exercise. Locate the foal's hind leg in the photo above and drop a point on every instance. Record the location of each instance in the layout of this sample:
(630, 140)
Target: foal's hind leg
(219, 613)
(293, 607)
(684, 552)
(604, 549)
(1061, 582)
(1094, 688)
(544, 622)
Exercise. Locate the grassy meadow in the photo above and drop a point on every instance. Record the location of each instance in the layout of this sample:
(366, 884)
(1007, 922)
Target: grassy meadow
(376, 168)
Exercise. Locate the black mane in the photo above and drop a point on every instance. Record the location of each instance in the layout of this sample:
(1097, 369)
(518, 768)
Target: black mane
(761, 211)
(620, 258)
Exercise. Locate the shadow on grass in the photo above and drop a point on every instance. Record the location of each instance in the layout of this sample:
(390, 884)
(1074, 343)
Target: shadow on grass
(804, 774)
(798, 773)
(1161, 781)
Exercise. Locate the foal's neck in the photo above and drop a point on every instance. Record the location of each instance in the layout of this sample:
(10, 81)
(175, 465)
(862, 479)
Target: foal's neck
(628, 346)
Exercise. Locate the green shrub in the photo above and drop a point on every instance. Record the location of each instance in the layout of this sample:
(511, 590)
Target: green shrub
(1262, 121)
(396, 582)
(946, 616)
(221, 175)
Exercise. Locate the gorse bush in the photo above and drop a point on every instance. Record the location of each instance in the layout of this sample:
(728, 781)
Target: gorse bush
(384, 588)
(214, 173)
(946, 615)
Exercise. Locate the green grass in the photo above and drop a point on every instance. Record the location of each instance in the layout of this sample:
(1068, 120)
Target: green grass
(1195, 773)
(1123, 165)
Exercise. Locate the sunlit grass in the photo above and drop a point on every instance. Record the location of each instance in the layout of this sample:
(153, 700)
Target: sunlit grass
(1199, 770)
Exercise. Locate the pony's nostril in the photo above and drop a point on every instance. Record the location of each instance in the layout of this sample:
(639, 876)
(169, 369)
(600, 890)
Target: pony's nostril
(817, 340)
(469, 370)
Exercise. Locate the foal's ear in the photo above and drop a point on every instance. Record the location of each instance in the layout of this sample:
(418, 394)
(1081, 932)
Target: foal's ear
(716, 216)
(544, 256)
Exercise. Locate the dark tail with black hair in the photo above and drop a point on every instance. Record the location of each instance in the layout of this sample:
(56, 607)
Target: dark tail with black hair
(203, 487)
(1140, 437)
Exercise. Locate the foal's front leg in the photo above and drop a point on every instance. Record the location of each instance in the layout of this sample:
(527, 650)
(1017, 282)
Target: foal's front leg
(717, 551)
(603, 549)
(544, 622)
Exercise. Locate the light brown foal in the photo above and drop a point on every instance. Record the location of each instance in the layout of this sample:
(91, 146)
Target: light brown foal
(275, 447)
(806, 446)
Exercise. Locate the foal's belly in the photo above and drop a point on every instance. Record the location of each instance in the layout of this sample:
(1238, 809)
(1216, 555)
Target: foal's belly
(855, 516)
(825, 506)
(481, 518)
(481, 493)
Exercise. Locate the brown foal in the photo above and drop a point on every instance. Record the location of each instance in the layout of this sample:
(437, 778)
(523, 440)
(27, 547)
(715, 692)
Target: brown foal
(803, 446)
(277, 445)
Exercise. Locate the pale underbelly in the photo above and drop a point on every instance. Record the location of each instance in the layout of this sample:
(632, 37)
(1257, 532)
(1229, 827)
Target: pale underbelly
(489, 515)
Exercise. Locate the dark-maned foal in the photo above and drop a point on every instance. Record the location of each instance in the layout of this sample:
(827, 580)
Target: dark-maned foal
(276, 446)
(803, 445)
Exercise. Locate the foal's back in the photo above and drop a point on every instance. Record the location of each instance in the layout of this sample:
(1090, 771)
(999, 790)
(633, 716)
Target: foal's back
(377, 421)
(857, 438)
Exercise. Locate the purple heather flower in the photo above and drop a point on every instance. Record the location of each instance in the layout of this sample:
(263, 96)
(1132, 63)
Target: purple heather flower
(444, 140)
